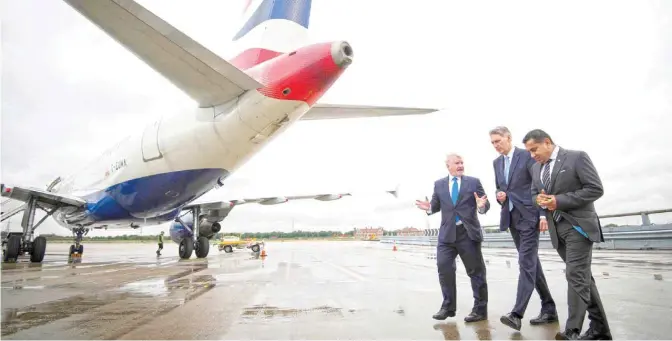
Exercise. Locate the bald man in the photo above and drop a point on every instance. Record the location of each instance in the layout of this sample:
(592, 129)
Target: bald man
(458, 197)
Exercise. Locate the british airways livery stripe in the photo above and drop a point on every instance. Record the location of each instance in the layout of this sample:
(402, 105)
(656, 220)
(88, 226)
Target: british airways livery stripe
(297, 11)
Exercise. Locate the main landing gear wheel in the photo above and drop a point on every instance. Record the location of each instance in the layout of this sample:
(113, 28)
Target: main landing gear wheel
(39, 249)
(255, 248)
(186, 248)
(17, 244)
(195, 242)
(13, 248)
(202, 247)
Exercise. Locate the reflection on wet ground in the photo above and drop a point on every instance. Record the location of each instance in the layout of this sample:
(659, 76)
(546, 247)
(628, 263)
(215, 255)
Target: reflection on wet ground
(303, 290)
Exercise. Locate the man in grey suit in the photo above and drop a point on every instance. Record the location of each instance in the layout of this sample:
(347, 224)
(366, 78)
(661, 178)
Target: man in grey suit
(566, 185)
(458, 197)
(513, 178)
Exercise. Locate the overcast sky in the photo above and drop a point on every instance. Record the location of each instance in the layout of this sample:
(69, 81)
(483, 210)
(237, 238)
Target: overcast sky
(596, 75)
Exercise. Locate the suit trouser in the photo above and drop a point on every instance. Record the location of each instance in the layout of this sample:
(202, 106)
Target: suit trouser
(582, 295)
(525, 234)
(470, 254)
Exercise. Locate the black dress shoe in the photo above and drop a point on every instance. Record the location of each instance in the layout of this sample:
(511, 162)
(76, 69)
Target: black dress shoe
(474, 317)
(592, 334)
(512, 320)
(443, 313)
(544, 318)
(570, 334)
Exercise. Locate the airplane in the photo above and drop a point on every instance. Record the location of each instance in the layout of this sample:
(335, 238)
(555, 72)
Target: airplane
(274, 80)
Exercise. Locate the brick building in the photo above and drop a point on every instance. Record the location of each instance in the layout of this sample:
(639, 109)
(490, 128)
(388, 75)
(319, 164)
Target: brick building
(369, 233)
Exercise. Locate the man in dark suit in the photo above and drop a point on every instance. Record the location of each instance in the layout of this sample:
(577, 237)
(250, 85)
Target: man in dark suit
(458, 197)
(513, 178)
(566, 184)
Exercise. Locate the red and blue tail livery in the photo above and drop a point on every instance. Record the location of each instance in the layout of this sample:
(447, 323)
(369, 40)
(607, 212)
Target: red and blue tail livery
(272, 28)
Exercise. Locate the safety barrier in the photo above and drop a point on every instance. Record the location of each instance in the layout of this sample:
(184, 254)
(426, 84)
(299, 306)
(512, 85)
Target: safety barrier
(629, 237)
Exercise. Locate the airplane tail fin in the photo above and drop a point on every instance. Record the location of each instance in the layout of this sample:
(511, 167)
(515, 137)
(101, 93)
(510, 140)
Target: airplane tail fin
(270, 28)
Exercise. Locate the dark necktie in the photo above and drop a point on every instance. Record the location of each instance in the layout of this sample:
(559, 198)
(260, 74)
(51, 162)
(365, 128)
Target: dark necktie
(546, 177)
(547, 185)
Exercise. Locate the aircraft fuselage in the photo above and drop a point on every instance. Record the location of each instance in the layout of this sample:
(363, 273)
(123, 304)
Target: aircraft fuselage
(147, 177)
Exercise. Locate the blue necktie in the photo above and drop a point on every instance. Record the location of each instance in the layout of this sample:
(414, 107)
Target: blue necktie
(453, 195)
(507, 164)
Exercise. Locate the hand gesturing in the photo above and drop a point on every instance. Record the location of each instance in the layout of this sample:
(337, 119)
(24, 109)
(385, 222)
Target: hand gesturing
(480, 202)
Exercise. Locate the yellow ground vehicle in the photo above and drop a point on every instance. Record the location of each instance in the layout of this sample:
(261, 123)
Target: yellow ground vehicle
(227, 243)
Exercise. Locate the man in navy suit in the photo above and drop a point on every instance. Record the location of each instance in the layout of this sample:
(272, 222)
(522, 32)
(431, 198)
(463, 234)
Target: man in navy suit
(458, 197)
(513, 177)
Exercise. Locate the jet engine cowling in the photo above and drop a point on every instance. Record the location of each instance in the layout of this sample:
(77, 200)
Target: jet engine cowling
(206, 228)
(328, 197)
(273, 201)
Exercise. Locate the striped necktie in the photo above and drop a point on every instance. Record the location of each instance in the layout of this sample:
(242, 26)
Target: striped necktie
(546, 177)
(547, 185)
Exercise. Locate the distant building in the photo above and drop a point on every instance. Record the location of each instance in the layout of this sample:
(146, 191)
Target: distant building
(410, 231)
(369, 233)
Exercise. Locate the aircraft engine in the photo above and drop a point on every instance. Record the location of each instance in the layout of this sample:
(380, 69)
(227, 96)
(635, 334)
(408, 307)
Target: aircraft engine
(273, 201)
(328, 197)
(206, 228)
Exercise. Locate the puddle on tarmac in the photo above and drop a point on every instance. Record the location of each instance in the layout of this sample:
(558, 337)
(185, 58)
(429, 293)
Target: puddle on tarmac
(184, 290)
(22, 287)
(449, 330)
(16, 319)
(270, 312)
(164, 286)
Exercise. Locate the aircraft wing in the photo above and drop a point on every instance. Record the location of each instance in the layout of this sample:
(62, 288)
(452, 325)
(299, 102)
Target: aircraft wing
(223, 205)
(340, 111)
(201, 74)
(45, 199)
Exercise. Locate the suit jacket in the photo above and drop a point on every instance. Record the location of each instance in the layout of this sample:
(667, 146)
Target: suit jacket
(576, 185)
(517, 190)
(465, 207)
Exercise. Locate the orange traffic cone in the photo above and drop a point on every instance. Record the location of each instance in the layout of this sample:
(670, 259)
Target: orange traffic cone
(394, 247)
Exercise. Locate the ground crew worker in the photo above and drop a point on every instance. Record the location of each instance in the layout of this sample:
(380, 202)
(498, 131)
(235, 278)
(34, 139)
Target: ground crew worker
(158, 252)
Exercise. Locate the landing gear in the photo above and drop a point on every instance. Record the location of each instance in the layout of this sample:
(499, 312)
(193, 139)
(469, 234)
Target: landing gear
(77, 249)
(203, 247)
(196, 242)
(17, 244)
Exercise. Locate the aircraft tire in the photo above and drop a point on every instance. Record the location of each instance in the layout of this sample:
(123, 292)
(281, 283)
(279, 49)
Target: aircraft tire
(186, 248)
(39, 249)
(228, 249)
(255, 248)
(203, 247)
(13, 248)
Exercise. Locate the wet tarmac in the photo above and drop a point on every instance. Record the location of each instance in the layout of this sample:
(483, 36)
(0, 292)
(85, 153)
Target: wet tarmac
(304, 290)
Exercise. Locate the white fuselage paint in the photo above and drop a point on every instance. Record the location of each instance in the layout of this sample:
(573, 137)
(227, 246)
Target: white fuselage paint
(222, 137)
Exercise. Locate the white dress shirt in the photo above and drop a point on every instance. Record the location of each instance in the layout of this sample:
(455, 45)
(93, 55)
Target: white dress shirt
(450, 192)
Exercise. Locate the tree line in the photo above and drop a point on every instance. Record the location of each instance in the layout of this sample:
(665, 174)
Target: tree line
(245, 235)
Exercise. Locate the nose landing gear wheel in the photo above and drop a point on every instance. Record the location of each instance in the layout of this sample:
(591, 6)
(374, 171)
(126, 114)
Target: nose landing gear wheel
(76, 249)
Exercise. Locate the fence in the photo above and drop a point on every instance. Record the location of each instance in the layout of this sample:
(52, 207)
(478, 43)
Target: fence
(646, 236)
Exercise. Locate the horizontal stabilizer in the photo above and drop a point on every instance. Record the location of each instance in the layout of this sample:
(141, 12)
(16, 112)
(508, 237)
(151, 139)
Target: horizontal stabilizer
(200, 73)
(336, 111)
